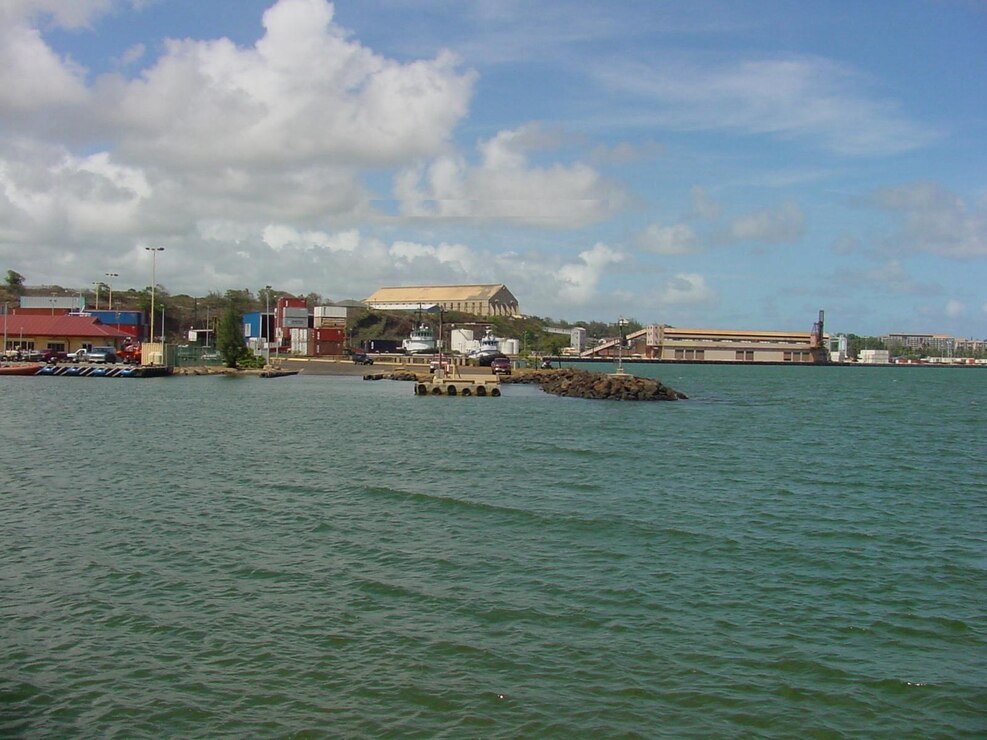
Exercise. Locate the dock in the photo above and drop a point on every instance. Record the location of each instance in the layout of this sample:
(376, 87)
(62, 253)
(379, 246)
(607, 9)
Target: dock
(451, 383)
(106, 371)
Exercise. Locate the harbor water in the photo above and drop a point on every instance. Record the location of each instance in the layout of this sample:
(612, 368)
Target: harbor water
(793, 551)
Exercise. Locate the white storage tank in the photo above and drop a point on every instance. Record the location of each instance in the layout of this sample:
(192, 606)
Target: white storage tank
(510, 346)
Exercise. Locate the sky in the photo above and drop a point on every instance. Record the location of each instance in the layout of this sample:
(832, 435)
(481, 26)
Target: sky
(733, 165)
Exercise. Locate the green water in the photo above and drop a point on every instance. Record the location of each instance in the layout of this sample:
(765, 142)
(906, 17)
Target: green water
(791, 552)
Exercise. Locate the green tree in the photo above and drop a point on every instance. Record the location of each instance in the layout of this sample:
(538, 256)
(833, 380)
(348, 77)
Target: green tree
(240, 300)
(15, 281)
(229, 338)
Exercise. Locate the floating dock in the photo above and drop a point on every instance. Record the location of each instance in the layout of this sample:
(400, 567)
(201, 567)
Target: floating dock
(451, 383)
(106, 371)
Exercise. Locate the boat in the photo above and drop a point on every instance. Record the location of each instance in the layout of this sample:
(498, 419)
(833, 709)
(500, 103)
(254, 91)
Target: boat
(29, 369)
(489, 349)
(421, 340)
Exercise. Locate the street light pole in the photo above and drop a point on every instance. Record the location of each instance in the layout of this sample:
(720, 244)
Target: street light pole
(265, 326)
(96, 283)
(154, 252)
(111, 275)
(621, 323)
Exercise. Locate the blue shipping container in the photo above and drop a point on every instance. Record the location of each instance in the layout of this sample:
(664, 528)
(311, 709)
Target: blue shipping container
(113, 318)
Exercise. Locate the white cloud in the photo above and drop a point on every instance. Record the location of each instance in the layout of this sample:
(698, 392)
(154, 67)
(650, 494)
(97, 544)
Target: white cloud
(280, 237)
(936, 220)
(86, 196)
(505, 186)
(578, 280)
(669, 240)
(462, 259)
(806, 97)
(32, 76)
(785, 223)
(304, 93)
(954, 309)
(72, 15)
(686, 288)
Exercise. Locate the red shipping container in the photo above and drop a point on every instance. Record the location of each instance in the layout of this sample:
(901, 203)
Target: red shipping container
(329, 335)
(322, 349)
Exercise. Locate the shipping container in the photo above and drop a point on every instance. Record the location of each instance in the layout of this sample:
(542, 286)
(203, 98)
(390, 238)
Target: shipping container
(116, 318)
(129, 329)
(382, 345)
(330, 312)
(329, 335)
(322, 349)
(289, 302)
(324, 323)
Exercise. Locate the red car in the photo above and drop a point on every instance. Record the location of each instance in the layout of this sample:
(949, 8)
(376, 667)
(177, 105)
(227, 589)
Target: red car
(501, 365)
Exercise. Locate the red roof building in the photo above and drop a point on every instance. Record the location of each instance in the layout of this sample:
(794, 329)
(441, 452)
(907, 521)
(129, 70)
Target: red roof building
(64, 333)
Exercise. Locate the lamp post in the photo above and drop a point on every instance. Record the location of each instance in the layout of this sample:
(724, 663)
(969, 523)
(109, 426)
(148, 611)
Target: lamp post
(621, 323)
(154, 253)
(110, 275)
(265, 327)
(97, 284)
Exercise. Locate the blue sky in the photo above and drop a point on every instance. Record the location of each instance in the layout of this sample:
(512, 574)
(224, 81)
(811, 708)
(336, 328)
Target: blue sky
(714, 164)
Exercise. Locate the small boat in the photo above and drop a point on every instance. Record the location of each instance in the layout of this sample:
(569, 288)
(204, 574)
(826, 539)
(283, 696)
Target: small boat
(30, 369)
(421, 340)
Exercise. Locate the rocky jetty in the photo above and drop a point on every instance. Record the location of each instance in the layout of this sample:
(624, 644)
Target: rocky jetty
(395, 375)
(583, 384)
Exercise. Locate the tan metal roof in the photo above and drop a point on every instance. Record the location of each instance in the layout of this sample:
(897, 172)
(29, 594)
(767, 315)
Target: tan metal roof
(435, 293)
(672, 332)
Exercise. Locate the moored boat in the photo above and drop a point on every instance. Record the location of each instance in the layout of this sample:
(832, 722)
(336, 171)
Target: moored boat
(421, 340)
(489, 347)
(29, 369)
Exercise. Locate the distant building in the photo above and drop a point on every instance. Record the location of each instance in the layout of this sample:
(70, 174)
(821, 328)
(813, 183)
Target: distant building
(941, 342)
(61, 332)
(479, 300)
(874, 357)
(670, 344)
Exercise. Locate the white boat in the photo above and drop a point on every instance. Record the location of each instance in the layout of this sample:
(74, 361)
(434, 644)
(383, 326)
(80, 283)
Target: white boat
(422, 339)
(489, 346)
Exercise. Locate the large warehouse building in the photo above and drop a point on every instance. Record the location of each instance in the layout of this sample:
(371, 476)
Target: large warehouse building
(668, 343)
(480, 300)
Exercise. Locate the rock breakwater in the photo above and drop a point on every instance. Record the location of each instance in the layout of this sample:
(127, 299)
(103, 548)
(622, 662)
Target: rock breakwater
(582, 384)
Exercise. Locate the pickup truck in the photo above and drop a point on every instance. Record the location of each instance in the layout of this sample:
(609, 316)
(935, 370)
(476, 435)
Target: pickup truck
(96, 354)
(53, 355)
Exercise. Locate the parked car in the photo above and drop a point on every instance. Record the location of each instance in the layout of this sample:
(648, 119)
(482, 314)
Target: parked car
(96, 354)
(362, 358)
(436, 364)
(53, 355)
(501, 365)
